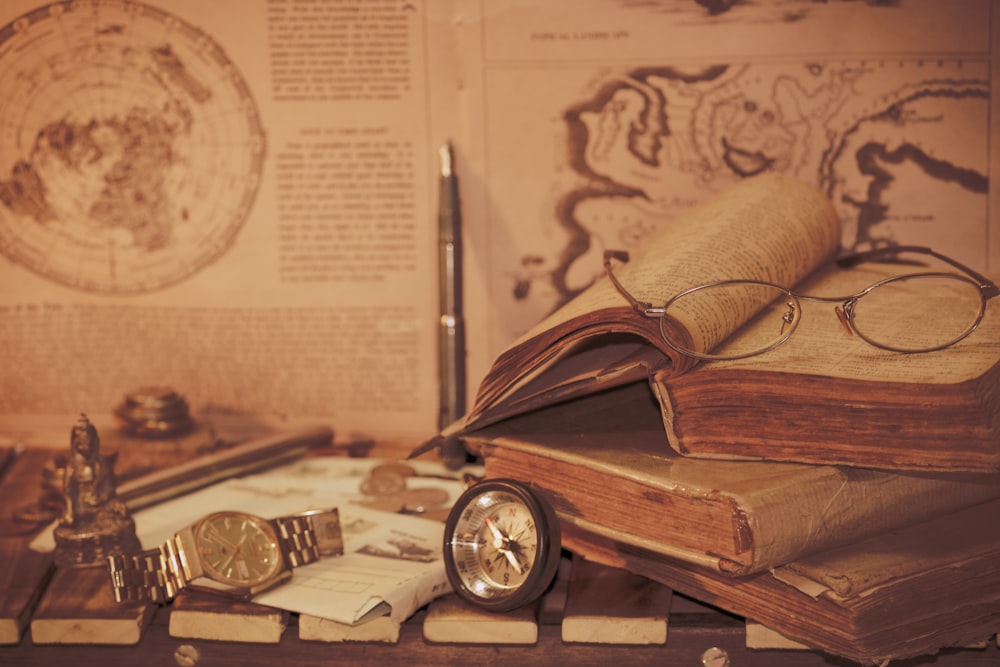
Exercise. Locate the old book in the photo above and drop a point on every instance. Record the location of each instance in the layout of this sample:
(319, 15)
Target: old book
(823, 396)
(905, 593)
(604, 465)
(826, 397)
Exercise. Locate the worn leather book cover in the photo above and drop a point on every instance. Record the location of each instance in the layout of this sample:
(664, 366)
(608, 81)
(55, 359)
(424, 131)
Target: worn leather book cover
(604, 464)
(911, 592)
(826, 396)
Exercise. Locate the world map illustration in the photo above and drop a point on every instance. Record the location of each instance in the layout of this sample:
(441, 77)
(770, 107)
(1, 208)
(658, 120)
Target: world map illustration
(131, 149)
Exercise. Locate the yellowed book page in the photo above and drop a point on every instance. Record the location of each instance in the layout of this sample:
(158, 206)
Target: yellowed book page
(770, 228)
(233, 198)
(884, 560)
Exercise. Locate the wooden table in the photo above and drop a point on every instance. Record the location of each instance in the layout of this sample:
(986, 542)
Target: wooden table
(694, 632)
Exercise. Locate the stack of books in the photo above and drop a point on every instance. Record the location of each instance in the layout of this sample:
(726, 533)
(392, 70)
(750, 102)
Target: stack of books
(839, 493)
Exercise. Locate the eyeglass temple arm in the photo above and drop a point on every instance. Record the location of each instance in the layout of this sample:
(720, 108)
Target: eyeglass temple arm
(641, 307)
(989, 288)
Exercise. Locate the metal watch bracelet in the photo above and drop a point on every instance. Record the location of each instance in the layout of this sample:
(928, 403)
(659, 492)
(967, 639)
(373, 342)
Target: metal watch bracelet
(159, 574)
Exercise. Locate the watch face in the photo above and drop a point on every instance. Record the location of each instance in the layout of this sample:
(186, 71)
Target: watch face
(238, 549)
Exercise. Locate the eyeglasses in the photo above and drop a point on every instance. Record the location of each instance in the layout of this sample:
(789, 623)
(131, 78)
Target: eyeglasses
(909, 313)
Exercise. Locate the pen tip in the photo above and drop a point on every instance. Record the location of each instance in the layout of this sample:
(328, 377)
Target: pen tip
(444, 154)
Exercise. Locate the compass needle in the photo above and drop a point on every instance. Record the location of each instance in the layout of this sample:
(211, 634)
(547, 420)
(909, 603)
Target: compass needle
(513, 560)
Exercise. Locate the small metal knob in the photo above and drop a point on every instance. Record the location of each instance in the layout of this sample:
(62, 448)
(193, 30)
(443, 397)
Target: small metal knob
(715, 657)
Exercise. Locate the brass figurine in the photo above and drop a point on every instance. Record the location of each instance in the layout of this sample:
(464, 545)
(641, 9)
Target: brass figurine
(94, 522)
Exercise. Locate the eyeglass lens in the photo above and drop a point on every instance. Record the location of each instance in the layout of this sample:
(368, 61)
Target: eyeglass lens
(778, 316)
(919, 313)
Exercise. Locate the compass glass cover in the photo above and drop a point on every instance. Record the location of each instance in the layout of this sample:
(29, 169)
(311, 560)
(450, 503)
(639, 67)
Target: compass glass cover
(500, 546)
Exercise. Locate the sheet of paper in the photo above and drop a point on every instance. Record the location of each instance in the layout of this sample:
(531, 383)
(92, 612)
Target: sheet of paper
(238, 198)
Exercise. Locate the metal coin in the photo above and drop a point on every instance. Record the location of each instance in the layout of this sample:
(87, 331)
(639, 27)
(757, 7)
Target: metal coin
(400, 469)
(416, 501)
(382, 484)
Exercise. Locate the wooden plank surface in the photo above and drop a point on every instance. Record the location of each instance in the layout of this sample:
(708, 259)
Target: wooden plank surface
(23, 573)
(606, 605)
(196, 615)
(451, 620)
(694, 628)
(690, 636)
(78, 607)
(22, 576)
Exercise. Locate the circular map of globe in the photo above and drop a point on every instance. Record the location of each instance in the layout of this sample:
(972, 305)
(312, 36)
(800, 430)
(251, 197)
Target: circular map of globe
(131, 149)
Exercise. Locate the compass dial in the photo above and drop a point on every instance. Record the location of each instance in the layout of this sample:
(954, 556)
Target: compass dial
(501, 545)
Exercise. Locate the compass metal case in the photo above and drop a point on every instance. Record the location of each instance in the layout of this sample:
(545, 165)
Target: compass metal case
(501, 545)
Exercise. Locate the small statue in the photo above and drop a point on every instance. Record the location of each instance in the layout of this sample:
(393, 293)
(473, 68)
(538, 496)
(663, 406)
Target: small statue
(94, 522)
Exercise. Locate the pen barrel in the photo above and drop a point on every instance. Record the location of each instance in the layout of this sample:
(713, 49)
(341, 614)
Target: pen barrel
(450, 279)
(451, 336)
(451, 354)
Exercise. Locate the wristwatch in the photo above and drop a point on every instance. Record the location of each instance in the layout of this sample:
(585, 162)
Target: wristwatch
(233, 553)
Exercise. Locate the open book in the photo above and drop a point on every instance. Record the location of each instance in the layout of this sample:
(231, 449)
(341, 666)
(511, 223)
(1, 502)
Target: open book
(821, 397)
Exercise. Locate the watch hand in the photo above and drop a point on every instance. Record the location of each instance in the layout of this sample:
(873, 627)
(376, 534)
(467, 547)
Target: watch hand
(226, 565)
(237, 548)
(216, 535)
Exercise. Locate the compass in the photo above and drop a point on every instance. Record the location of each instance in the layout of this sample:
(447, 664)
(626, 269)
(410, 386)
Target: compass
(501, 545)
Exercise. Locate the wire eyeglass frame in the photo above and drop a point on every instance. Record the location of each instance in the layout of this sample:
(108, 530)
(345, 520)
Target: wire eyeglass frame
(845, 310)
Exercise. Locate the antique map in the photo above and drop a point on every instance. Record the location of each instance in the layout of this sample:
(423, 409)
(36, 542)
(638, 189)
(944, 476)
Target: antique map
(896, 137)
(131, 149)
(238, 199)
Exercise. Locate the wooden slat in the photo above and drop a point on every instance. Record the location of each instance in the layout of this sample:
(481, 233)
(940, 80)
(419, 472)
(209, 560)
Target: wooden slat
(450, 620)
(606, 605)
(196, 615)
(78, 607)
(382, 630)
(23, 573)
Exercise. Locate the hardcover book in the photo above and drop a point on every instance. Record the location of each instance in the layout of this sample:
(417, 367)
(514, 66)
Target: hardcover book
(817, 367)
(603, 464)
(905, 593)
